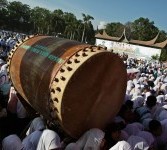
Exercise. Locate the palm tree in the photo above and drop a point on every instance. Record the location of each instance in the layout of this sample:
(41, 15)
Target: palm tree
(86, 20)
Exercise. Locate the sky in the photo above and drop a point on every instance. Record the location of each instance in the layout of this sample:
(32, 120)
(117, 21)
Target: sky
(107, 11)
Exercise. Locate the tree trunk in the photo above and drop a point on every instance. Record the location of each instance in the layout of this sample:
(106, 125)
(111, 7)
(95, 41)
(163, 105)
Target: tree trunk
(83, 34)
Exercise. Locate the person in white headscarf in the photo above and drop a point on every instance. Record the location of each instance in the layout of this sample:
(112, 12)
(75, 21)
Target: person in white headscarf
(49, 140)
(122, 145)
(146, 122)
(4, 81)
(72, 146)
(148, 137)
(157, 112)
(160, 99)
(12, 142)
(91, 139)
(138, 101)
(31, 141)
(138, 143)
(36, 124)
(132, 129)
(164, 88)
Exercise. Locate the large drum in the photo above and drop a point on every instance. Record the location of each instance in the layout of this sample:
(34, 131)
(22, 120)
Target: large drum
(77, 85)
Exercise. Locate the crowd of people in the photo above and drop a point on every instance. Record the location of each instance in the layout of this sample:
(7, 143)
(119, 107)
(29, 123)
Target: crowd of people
(141, 123)
(7, 40)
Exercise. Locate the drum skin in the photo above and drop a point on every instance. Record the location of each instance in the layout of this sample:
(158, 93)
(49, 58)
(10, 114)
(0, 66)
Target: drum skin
(76, 85)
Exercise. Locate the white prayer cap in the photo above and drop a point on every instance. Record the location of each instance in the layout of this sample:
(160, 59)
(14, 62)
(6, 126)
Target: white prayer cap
(12, 142)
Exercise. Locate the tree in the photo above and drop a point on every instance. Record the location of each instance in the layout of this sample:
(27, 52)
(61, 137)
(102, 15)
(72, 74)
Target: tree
(86, 21)
(3, 13)
(70, 21)
(57, 21)
(114, 29)
(3, 4)
(17, 12)
(162, 36)
(41, 18)
(143, 29)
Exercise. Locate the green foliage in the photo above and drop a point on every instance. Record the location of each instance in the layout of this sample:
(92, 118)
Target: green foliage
(19, 17)
(114, 29)
(143, 29)
(16, 16)
(163, 56)
(155, 57)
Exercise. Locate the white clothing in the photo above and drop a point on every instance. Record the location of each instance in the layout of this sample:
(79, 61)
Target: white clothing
(138, 143)
(147, 136)
(31, 141)
(122, 145)
(12, 142)
(49, 140)
(132, 129)
(36, 124)
(146, 122)
(91, 139)
(138, 101)
(72, 146)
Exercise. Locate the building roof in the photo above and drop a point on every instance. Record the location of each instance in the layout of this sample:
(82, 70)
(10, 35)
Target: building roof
(123, 38)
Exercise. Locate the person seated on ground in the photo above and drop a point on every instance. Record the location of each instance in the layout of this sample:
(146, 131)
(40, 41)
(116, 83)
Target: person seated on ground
(159, 131)
(148, 138)
(133, 128)
(129, 104)
(72, 146)
(127, 114)
(157, 112)
(112, 135)
(31, 141)
(92, 139)
(138, 143)
(12, 142)
(12, 103)
(138, 101)
(38, 124)
(49, 140)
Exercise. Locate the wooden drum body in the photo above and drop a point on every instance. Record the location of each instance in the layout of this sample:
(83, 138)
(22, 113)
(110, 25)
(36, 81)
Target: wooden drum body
(78, 85)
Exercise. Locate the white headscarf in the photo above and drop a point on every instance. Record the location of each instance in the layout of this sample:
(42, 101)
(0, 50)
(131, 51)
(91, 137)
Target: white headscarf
(72, 146)
(160, 99)
(138, 101)
(91, 139)
(138, 143)
(132, 129)
(31, 141)
(49, 140)
(147, 136)
(122, 145)
(12, 142)
(36, 124)
(146, 122)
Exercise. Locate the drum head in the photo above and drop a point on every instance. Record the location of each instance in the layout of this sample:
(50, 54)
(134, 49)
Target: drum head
(94, 94)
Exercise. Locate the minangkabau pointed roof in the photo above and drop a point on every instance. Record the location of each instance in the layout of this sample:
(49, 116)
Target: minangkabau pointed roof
(123, 38)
